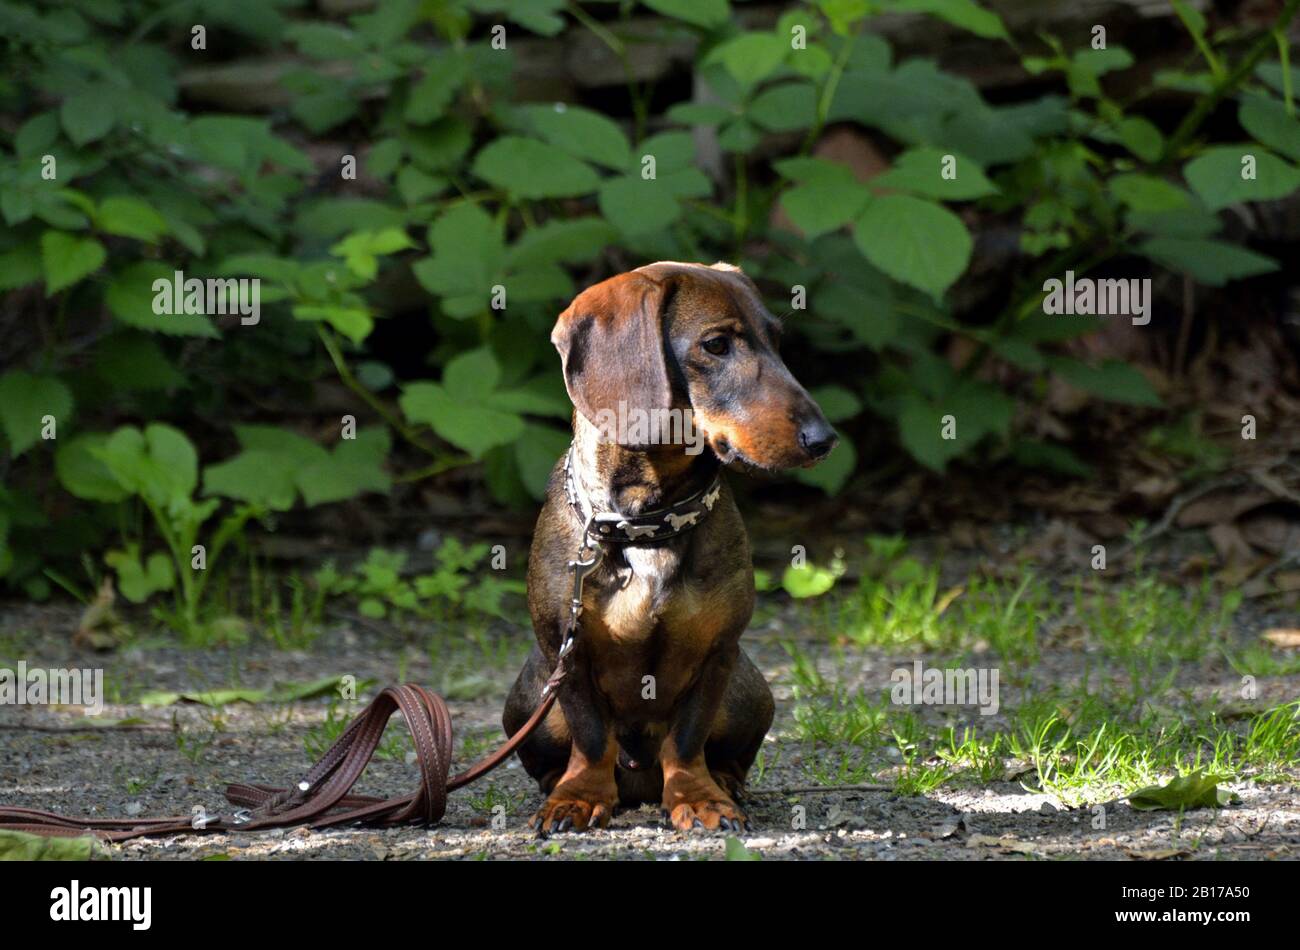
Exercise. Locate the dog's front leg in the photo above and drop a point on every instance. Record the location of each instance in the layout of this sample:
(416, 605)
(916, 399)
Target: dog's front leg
(692, 797)
(586, 792)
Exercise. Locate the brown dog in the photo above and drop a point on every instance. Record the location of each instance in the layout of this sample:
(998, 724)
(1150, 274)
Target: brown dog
(660, 703)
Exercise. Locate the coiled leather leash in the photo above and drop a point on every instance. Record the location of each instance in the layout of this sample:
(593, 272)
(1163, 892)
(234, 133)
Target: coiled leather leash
(323, 798)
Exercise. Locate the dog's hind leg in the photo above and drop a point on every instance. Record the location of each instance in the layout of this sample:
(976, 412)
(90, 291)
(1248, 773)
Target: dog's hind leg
(743, 719)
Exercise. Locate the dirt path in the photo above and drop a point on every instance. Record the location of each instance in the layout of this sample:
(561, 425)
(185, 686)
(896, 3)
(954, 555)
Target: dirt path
(178, 757)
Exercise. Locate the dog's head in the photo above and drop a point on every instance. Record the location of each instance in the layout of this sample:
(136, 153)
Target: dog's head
(695, 339)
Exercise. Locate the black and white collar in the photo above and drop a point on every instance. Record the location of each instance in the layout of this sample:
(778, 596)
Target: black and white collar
(614, 528)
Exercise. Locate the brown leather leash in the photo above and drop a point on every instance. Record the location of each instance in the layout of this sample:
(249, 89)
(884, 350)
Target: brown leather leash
(322, 799)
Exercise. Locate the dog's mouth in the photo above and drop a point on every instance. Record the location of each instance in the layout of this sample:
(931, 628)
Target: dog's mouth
(729, 455)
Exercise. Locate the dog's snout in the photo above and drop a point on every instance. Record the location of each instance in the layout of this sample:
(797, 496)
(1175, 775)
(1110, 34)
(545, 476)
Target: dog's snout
(817, 438)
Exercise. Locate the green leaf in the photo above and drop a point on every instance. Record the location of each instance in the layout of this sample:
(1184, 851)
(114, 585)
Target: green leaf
(131, 297)
(705, 13)
(416, 186)
(443, 76)
(1216, 176)
(354, 467)
(1191, 222)
(1273, 75)
(1141, 137)
(474, 428)
(788, 107)
(817, 208)
(1214, 263)
(750, 57)
(1050, 457)
(130, 217)
(836, 402)
(159, 464)
(136, 581)
(638, 206)
(923, 170)
(807, 580)
(472, 374)
(24, 401)
(280, 693)
(67, 258)
(362, 249)
(355, 323)
(915, 241)
(700, 113)
(257, 476)
(966, 14)
(569, 241)
(582, 133)
(82, 471)
(88, 115)
(1112, 380)
(325, 40)
(1148, 193)
(298, 450)
(37, 134)
(468, 255)
(528, 168)
(832, 473)
(1268, 121)
(1197, 790)
(20, 266)
(536, 452)
(21, 846)
(739, 136)
(978, 409)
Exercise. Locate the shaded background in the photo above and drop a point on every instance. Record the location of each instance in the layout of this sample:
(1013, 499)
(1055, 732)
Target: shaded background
(801, 141)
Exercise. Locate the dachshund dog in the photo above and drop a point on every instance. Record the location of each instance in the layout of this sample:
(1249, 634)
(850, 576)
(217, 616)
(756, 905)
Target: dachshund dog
(660, 704)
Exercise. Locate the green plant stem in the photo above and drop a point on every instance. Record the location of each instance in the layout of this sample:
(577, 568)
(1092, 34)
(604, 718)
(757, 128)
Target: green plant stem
(1284, 54)
(442, 462)
(369, 398)
(636, 96)
(1198, 37)
(1228, 85)
(828, 93)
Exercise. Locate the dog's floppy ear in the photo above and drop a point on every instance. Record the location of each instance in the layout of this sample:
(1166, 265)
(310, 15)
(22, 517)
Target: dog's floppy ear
(611, 340)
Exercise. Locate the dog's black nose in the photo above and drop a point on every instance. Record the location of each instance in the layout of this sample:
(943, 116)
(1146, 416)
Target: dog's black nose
(817, 438)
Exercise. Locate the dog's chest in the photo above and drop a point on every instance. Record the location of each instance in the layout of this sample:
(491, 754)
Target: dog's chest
(648, 638)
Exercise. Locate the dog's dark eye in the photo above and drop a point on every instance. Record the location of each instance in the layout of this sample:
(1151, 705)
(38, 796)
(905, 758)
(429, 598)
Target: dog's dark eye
(717, 345)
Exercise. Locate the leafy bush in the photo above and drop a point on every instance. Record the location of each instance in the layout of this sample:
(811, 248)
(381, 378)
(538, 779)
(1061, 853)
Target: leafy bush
(482, 214)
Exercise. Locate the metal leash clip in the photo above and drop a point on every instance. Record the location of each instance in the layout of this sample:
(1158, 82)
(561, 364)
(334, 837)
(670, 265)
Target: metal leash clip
(588, 560)
(581, 568)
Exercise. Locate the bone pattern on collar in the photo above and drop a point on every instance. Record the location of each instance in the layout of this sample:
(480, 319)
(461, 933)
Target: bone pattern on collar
(613, 527)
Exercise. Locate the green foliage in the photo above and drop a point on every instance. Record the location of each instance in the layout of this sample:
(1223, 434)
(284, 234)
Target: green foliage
(1196, 790)
(499, 208)
(381, 585)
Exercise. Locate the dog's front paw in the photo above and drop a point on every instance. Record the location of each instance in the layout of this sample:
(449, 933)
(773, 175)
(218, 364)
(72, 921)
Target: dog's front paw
(713, 814)
(692, 801)
(572, 810)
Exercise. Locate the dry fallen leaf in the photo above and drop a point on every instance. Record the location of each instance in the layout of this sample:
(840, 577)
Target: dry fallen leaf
(100, 628)
(1285, 638)
(1158, 854)
(1287, 580)
(1007, 844)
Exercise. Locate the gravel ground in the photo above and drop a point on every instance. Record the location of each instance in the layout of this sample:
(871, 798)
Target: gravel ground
(181, 756)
